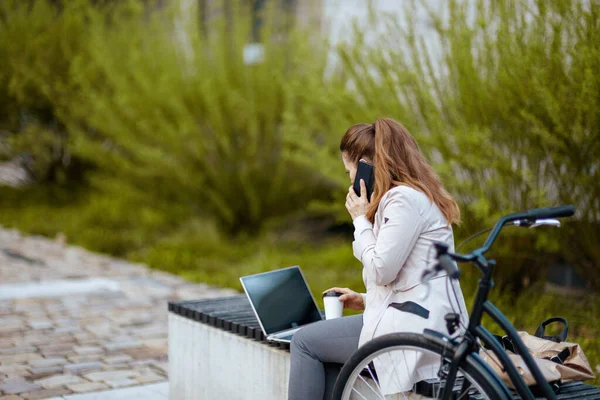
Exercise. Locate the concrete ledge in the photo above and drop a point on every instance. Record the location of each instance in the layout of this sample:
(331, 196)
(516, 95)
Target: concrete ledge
(210, 363)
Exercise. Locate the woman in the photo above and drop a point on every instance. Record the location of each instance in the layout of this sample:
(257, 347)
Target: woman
(393, 237)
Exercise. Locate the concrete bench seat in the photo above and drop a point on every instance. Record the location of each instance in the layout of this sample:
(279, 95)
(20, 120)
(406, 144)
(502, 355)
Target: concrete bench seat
(217, 350)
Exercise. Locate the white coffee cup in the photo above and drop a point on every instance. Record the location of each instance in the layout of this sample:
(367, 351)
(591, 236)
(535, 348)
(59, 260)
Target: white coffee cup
(333, 306)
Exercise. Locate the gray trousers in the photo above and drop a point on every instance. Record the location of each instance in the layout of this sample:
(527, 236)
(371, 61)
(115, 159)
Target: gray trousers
(318, 352)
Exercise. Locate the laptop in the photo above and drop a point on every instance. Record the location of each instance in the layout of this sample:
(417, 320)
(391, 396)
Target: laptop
(281, 301)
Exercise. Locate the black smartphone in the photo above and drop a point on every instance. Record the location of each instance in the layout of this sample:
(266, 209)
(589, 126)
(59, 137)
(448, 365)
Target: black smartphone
(364, 172)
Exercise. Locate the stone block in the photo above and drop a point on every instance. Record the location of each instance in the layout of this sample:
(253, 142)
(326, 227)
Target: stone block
(121, 383)
(47, 362)
(19, 387)
(149, 378)
(46, 393)
(87, 350)
(40, 324)
(59, 380)
(111, 375)
(129, 344)
(18, 358)
(117, 359)
(17, 350)
(87, 387)
(85, 358)
(42, 372)
(83, 367)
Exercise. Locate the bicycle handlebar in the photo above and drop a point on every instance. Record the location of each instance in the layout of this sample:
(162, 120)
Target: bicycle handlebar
(551, 212)
(446, 259)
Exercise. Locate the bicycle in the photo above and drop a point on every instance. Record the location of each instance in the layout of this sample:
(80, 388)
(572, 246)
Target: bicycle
(450, 367)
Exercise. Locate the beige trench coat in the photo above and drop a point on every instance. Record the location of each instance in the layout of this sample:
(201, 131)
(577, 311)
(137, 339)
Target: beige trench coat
(394, 251)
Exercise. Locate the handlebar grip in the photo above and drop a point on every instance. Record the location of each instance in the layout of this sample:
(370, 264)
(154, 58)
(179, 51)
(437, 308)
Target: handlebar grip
(551, 212)
(446, 263)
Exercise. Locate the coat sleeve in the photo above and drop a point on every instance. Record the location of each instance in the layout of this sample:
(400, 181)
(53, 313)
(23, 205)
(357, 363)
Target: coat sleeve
(401, 225)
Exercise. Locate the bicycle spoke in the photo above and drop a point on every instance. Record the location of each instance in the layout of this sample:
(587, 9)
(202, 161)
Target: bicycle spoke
(356, 391)
(370, 387)
(373, 377)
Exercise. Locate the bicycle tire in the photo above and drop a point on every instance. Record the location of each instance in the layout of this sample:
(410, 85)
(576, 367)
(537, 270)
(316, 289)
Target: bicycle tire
(472, 367)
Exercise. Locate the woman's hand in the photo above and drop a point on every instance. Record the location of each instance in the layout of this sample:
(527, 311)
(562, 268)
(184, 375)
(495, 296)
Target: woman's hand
(350, 298)
(355, 205)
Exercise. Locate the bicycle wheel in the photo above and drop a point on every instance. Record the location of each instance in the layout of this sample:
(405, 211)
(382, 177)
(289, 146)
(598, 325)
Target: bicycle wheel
(405, 366)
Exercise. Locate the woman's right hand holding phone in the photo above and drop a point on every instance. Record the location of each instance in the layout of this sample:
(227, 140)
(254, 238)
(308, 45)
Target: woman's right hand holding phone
(350, 298)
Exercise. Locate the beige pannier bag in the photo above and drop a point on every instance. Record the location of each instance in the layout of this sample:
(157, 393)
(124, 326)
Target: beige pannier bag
(559, 361)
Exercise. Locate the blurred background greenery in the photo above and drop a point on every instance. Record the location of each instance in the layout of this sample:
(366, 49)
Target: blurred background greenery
(147, 133)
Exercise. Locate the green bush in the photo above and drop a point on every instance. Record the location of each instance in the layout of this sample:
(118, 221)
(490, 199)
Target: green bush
(506, 110)
(37, 45)
(187, 119)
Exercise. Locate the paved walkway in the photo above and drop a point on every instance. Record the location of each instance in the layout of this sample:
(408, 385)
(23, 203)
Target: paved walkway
(155, 391)
(72, 321)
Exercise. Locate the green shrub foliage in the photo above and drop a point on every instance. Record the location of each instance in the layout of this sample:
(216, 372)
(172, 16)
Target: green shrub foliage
(502, 97)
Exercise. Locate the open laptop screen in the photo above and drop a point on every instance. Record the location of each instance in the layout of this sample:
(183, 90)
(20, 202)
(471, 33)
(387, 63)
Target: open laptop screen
(281, 299)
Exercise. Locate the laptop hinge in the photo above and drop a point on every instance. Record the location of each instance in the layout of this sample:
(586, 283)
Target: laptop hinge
(284, 333)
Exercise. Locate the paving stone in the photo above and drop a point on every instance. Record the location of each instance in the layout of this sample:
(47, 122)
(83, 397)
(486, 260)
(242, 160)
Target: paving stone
(6, 343)
(99, 329)
(92, 342)
(19, 387)
(40, 324)
(65, 322)
(17, 358)
(130, 344)
(14, 369)
(17, 350)
(47, 362)
(86, 350)
(122, 383)
(11, 397)
(68, 329)
(46, 393)
(117, 359)
(115, 367)
(145, 352)
(80, 368)
(111, 375)
(12, 379)
(159, 343)
(141, 363)
(150, 377)
(11, 321)
(42, 372)
(76, 358)
(87, 387)
(161, 366)
(59, 380)
(56, 347)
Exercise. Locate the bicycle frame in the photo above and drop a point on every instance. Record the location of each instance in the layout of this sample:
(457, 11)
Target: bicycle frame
(477, 331)
(483, 306)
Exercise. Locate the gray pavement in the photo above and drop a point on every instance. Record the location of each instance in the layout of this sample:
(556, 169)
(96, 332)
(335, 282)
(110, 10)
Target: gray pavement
(74, 322)
(158, 391)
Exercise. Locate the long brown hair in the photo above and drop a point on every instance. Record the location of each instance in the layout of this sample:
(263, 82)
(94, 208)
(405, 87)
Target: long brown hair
(398, 161)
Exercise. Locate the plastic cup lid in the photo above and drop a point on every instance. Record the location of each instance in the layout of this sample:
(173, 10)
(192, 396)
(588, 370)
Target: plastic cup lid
(331, 293)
